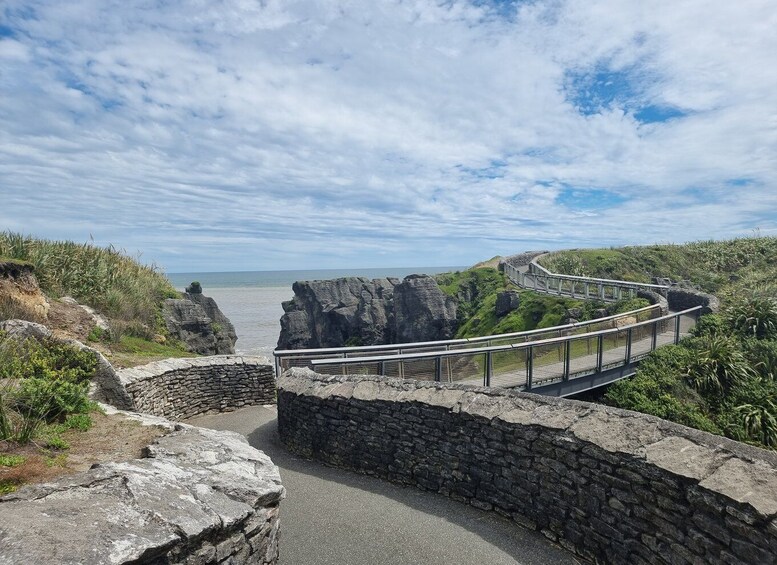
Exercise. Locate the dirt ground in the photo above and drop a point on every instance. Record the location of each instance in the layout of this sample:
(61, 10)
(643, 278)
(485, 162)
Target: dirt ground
(111, 438)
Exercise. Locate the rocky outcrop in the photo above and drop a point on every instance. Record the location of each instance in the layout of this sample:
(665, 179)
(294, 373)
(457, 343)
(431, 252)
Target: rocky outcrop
(684, 298)
(196, 320)
(423, 312)
(360, 311)
(199, 496)
(506, 302)
(331, 313)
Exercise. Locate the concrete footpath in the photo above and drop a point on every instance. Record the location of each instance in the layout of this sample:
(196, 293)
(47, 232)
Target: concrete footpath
(336, 517)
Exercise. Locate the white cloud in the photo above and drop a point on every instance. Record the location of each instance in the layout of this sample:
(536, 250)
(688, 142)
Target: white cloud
(236, 134)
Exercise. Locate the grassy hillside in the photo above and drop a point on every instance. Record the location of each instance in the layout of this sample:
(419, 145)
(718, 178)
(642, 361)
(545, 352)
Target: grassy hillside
(724, 378)
(116, 285)
(476, 291)
(126, 292)
(720, 267)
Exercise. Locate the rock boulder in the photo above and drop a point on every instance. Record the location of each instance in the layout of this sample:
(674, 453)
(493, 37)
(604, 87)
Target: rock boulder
(197, 321)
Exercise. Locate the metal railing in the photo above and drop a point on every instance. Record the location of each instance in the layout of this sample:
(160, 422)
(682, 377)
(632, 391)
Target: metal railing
(285, 359)
(536, 277)
(526, 365)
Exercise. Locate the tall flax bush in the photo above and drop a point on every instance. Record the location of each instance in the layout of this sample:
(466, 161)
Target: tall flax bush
(104, 278)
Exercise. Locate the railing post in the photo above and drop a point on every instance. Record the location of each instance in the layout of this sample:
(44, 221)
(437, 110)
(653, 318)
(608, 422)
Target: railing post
(529, 366)
(628, 345)
(599, 353)
(654, 338)
(585, 289)
(601, 291)
(677, 329)
(567, 358)
(489, 369)
(382, 368)
(438, 369)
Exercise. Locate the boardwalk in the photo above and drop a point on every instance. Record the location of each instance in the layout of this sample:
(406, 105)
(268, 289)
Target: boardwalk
(335, 517)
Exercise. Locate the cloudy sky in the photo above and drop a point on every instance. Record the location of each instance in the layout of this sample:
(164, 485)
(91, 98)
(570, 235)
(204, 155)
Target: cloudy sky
(245, 134)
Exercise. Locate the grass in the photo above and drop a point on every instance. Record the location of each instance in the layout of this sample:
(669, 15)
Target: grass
(11, 460)
(724, 268)
(107, 279)
(724, 379)
(131, 351)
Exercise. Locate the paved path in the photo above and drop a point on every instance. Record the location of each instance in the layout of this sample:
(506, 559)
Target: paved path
(335, 517)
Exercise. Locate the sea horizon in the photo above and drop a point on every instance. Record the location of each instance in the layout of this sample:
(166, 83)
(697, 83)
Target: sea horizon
(286, 277)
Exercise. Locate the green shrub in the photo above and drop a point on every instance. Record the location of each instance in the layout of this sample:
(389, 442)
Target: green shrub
(709, 325)
(41, 382)
(761, 355)
(81, 422)
(49, 399)
(753, 316)
(628, 305)
(97, 334)
(11, 460)
(659, 389)
(718, 364)
(55, 441)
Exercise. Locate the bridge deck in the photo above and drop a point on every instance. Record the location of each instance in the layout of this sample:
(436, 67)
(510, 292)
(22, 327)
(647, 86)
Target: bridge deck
(582, 365)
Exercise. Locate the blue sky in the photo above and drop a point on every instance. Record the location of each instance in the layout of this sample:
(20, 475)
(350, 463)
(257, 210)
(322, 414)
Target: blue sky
(242, 135)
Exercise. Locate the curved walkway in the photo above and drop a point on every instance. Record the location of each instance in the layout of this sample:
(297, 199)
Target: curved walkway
(336, 517)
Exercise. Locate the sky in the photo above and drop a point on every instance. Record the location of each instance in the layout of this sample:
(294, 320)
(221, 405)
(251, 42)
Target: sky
(207, 135)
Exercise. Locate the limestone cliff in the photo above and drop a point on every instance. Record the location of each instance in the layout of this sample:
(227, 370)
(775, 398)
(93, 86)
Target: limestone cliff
(359, 311)
(197, 321)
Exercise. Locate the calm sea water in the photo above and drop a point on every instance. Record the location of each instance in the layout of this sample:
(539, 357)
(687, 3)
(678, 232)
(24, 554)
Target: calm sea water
(252, 299)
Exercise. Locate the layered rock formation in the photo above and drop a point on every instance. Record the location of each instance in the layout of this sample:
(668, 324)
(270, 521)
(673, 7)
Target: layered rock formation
(197, 496)
(359, 311)
(197, 321)
(422, 312)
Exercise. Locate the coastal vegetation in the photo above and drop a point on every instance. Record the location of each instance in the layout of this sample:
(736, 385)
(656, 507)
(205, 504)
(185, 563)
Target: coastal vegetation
(722, 378)
(46, 418)
(477, 290)
(43, 394)
(724, 268)
(126, 292)
(108, 280)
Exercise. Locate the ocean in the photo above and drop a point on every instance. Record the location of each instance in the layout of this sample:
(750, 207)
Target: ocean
(252, 299)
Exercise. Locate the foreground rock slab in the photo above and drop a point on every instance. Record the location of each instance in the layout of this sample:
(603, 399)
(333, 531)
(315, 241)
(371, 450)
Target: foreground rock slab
(200, 496)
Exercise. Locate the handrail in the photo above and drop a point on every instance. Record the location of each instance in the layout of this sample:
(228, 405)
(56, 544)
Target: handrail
(615, 282)
(493, 348)
(423, 344)
(557, 377)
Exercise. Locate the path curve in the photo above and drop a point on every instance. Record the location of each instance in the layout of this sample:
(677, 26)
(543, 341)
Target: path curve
(336, 517)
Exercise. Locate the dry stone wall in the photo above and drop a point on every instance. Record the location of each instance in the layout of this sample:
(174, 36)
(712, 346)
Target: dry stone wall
(611, 485)
(199, 497)
(184, 388)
